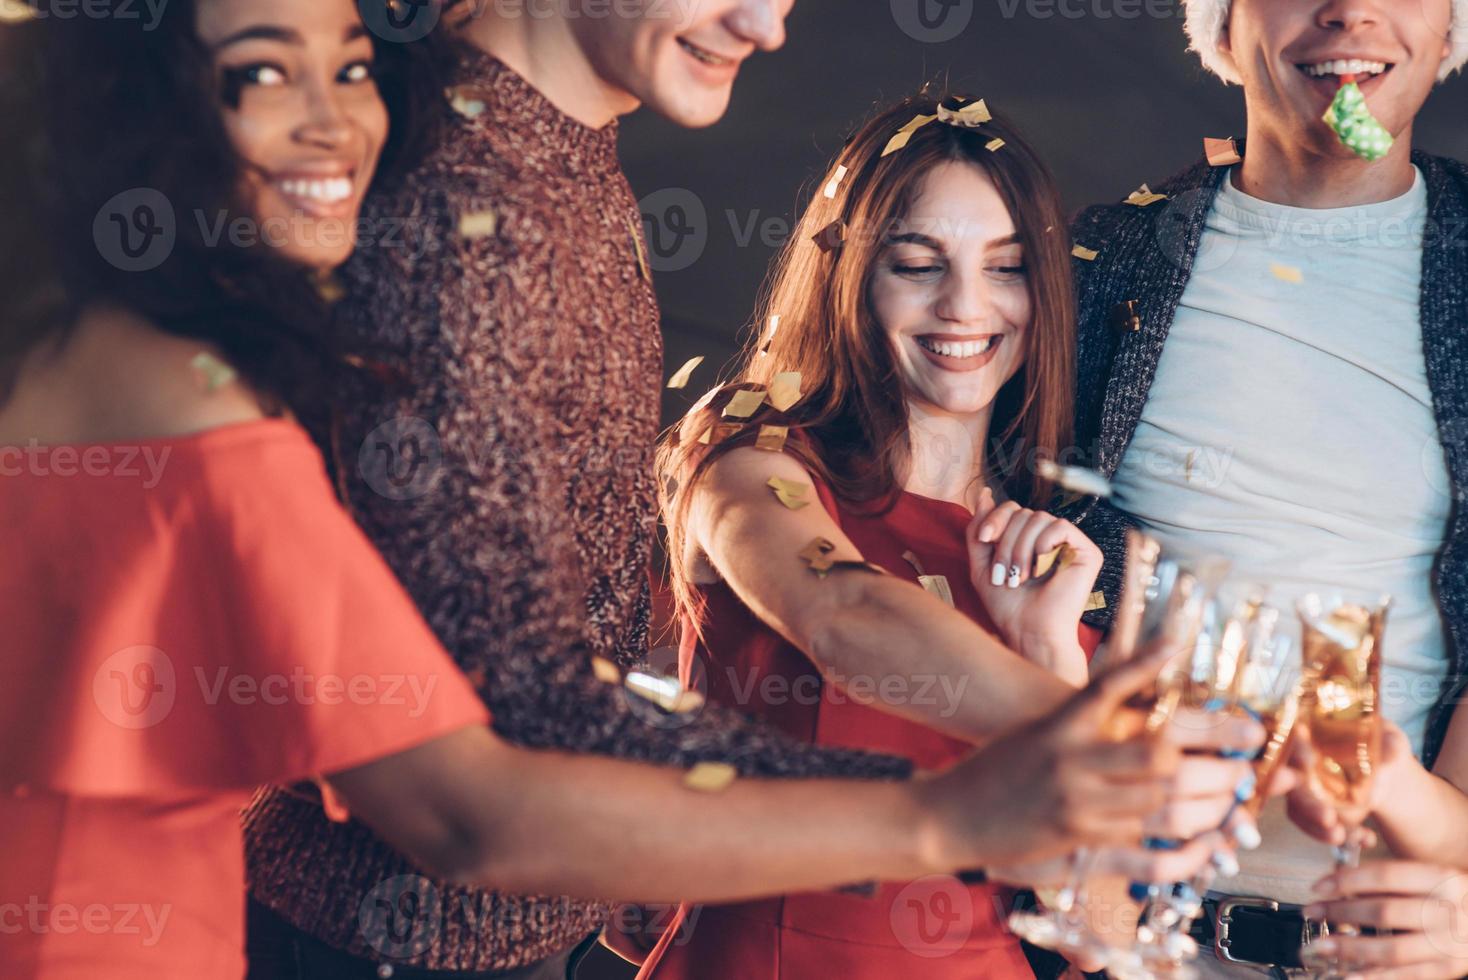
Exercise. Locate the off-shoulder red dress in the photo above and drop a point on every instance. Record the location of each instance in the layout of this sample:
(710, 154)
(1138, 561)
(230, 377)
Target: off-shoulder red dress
(175, 635)
(938, 928)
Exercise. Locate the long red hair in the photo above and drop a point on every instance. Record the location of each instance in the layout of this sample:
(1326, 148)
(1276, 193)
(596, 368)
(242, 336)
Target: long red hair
(853, 416)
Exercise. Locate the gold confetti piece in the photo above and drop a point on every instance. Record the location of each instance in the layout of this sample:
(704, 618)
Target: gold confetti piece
(717, 433)
(995, 145)
(1144, 196)
(785, 390)
(913, 560)
(478, 224)
(1085, 254)
(834, 185)
(817, 555)
(1287, 273)
(642, 267)
(466, 101)
(665, 692)
(1222, 152)
(904, 134)
(606, 671)
(682, 376)
(213, 373)
(328, 288)
(744, 404)
(772, 438)
(789, 493)
(1075, 478)
(710, 777)
(770, 336)
(16, 11)
(1096, 601)
(1057, 559)
(938, 586)
(831, 237)
(1188, 466)
(971, 116)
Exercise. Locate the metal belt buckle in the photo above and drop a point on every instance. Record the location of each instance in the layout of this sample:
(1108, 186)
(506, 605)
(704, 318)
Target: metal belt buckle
(1223, 918)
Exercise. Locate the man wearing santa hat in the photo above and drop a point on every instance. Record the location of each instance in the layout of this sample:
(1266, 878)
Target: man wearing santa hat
(1273, 366)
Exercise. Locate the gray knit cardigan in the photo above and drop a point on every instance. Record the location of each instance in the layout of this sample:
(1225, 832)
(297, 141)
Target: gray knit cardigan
(1128, 298)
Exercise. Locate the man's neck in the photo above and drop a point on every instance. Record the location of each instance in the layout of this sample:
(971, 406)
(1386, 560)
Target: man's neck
(1297, 175)
(544, 53)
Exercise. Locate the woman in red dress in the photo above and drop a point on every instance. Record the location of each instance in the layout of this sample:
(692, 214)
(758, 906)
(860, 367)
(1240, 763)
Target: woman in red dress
(190, 613)
(855, 554)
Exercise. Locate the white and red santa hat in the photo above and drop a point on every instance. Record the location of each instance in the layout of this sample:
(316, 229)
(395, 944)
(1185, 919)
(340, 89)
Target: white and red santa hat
(1207, 20)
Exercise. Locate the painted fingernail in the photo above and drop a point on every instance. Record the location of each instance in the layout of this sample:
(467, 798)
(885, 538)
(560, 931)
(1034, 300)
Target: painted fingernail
(1013, 576)
(1226, 863)
(1245, 790)
(997, 576)
(1248, 837)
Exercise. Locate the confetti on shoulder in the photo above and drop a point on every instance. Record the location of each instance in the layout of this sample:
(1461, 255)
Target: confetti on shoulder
(681, 377)
(788, 492)
(606, 671)
(817, 555)
(710, 777)
(772, 438)
(1144, 196)
(1084, 254)
(478, 224)
(1287, 273)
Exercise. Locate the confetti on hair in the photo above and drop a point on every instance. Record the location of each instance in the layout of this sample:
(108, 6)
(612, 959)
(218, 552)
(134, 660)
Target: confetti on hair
(833, 186)
(718, 432)
(785, 390)
(899, 140)
(971, 116)
(788, 492)
(744, 404)
(684, 374)
(831, 237)
(995, 145)
(772, 438)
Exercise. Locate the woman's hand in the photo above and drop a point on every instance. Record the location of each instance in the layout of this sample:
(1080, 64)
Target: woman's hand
(1317, 816)
(1039, 618)
(1422, 907)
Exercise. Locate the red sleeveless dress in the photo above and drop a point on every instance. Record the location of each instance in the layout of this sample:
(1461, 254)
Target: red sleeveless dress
(938, 927)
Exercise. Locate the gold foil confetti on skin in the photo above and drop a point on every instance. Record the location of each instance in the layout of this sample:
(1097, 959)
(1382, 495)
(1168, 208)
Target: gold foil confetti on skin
(995, 145)
(478, 224)
(710, 777)
(1095, 602)
(212, 373)
(1222, 152)
(1287, 273)
(817, 555)
(744, 404)
(606, 671)
(1144, 196)
(682, 376)
(772, 438)
(788, 492)
(1084, 254)
(904, 134)
(1058, 559)
(785, 390)
(833, 186)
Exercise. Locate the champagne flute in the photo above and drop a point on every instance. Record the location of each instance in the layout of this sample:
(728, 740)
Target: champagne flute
(1159, 597)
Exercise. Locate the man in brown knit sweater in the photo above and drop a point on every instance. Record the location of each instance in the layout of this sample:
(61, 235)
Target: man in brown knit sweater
(512, 489)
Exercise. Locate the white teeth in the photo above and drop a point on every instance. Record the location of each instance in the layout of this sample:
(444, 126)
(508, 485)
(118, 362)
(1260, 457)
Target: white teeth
(1341, 66)
(331, 191)
(968, 348)
(707, 57)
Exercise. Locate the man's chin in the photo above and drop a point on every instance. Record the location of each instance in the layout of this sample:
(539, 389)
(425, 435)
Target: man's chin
(691, 111)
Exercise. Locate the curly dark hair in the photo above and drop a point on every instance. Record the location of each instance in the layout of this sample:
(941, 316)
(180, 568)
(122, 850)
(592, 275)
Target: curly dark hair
(93, 107)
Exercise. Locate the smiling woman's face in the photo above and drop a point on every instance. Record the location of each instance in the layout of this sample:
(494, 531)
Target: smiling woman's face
(302, 109)
(951, 293)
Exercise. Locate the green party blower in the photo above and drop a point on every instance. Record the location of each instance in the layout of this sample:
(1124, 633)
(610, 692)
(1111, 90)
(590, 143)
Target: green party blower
(1350, 118)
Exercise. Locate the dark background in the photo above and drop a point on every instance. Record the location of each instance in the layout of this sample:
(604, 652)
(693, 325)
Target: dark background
(1104, 88)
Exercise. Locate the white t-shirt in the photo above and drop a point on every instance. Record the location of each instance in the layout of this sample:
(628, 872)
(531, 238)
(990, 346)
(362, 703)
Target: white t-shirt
(1290, 428)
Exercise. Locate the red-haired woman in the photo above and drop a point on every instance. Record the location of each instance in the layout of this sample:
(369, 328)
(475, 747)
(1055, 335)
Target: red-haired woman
(864, 578)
